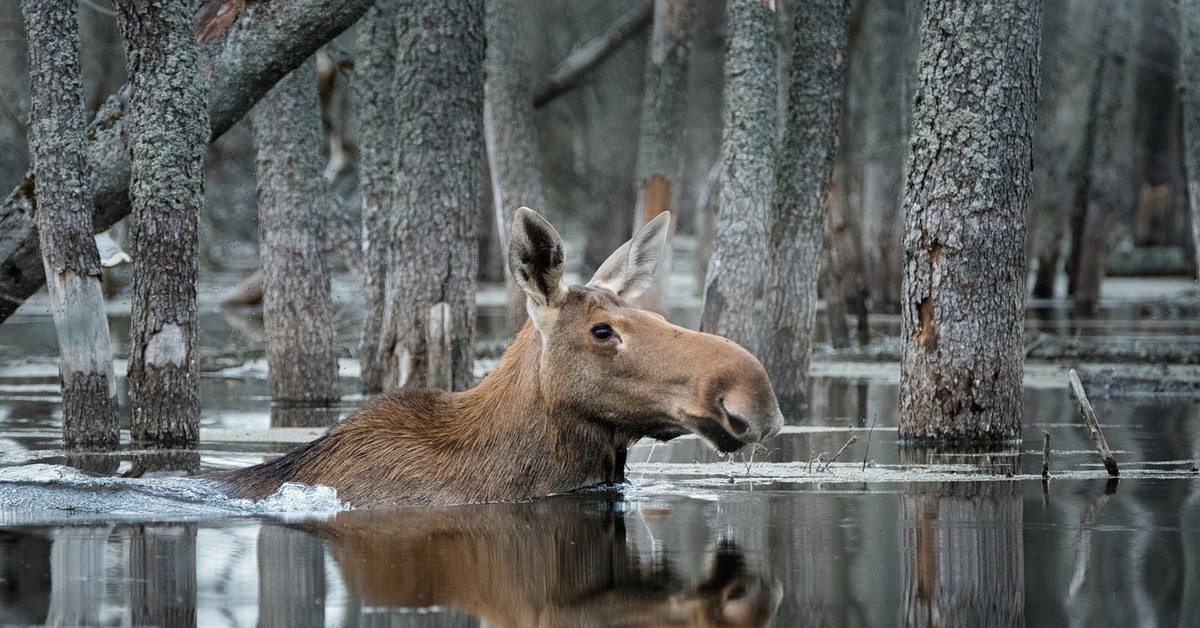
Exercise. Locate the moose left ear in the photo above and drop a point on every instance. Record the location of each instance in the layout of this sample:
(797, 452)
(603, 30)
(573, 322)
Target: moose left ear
(628, 271)
(535, 258)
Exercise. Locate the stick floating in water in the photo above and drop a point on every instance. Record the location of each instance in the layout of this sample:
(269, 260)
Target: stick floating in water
(1093, 425)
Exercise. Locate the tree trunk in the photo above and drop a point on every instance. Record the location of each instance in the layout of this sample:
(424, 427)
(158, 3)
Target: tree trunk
(659, 146)
(510, 131)
(246, 56)
(1190, 77)
(65, 226)
(168, 134)
(293, 203)
(966, 198)
(434, 257)
(733, 290)
(375, 107)
(1108, 188)
(806, 158)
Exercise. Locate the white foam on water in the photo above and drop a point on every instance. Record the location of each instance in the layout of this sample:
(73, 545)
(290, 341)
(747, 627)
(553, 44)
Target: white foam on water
(43, 494)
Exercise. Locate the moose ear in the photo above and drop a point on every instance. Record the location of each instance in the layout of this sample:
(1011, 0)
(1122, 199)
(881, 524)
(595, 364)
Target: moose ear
(629, 269)
(535, 259)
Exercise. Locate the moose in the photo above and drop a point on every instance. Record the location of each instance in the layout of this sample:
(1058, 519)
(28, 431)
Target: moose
(587, 376)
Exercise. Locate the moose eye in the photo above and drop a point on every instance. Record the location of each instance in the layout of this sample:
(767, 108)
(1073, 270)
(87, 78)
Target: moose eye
(602, 332)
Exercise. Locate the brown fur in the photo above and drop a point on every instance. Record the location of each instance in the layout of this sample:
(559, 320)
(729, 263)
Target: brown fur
(561, 407)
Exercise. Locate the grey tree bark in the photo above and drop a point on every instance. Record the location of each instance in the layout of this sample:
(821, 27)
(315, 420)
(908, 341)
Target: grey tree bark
(660, 149)
(375, 106)
(434, 258)
(168, 134)
(293, 205)
(510, 131)
(1107, 188)
(806, 159)
(733, 290)
(966, 196)
(69, 254)
(247, 51)
(1190, 75)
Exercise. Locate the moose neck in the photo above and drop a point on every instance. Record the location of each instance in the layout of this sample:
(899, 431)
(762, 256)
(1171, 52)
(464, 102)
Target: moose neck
(509, 417)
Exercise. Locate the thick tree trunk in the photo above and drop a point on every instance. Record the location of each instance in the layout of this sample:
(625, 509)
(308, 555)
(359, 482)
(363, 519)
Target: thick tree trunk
(806, 158)
(375, 107)
(434, 257)
(167, 138)
(247, 56)
(966, 198)
(510, 132)
(1190, 75)
(659, 146)
(1109, 189)
(733, 290)
(65, 226)
(293, 206)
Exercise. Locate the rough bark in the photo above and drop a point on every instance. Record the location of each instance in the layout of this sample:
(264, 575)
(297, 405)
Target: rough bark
(733, 290)
(659, 145)
(376, 110)
(65, 226)
(293, 203)
(510, 132)
(806, 158)
(966, 196)
(162, 575)
(434, 258)
(168, 135)
(244, 58)
(1108, 191)
(1190, 75)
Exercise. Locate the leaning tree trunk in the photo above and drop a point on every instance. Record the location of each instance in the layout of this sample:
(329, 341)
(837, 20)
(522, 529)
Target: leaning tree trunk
(659, 145)
(1190, 75)
(806, 158)
(510, 131)
(293, 205)
(733, 290)
(375, 108)
(966, 196)
(1108, 189)
(245, 57)
(169, 132)
(65, 226)
(434, 257)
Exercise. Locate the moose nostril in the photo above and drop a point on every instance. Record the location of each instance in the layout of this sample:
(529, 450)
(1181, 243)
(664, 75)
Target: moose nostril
(767, 432)
(738, 425)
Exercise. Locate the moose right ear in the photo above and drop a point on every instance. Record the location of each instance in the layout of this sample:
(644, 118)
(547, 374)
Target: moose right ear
(535, 259)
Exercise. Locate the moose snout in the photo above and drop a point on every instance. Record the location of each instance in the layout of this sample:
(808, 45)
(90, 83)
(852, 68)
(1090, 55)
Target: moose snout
(751, 417)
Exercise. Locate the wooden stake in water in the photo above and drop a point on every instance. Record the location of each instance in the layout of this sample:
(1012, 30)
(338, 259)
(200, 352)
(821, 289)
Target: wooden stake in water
(1093, 425)
(1045, 455)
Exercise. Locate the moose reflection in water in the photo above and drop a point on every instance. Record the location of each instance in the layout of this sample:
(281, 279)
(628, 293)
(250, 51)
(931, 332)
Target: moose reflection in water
(557, 562)
(588, 376)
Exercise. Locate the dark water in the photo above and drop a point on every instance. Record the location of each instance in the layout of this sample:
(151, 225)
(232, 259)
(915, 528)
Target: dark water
(908, 538)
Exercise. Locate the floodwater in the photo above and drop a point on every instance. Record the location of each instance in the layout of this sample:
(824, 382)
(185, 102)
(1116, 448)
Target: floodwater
(883, 536)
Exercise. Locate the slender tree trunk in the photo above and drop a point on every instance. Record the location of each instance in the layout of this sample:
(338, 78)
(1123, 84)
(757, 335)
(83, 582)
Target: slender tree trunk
(510, 131)
(966, 198)
(65, 226)
(293, 205)
(375, 107)
(245, 57)
(1190, 77)
(659, 146)
(806, 158)
(733, 291)
(434, 257)
(168, 136)
(1108, 190)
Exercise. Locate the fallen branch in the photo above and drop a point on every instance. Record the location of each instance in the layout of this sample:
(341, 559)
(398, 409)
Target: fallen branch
(1093, 425)
(853, 439)
(583, 58)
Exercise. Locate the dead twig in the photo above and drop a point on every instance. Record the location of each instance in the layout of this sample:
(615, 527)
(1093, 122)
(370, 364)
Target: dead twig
(1093, 424)
(867, 449)
(853, 439)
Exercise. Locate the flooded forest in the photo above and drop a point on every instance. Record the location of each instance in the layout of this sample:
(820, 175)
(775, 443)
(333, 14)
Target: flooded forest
(600, 312)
